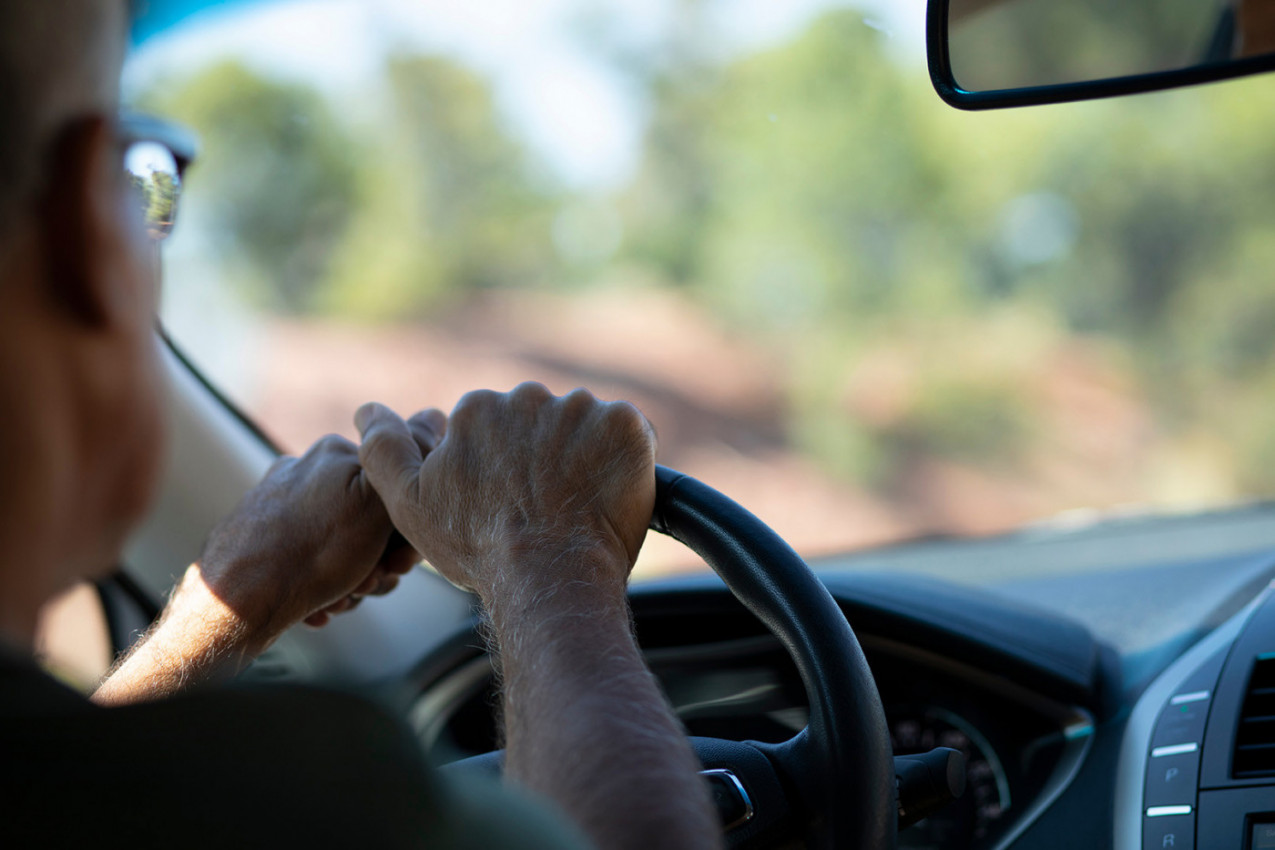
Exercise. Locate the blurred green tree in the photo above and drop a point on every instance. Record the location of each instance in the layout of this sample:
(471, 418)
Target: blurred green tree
(917, 271)
(821, 197)
(276, 177)
(448, 203)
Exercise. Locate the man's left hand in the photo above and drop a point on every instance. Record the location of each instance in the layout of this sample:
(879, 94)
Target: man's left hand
(311, 540)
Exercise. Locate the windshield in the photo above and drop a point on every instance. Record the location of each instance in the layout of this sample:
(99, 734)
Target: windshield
(864, 315)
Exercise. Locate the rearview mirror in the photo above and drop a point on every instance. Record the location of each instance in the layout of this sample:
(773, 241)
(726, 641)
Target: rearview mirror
(986, 54)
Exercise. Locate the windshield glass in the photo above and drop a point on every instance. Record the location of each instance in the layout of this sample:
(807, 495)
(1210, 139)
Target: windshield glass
(864, 315)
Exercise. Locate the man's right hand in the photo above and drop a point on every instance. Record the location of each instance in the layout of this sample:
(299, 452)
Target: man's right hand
(518, 480)
(540, 504)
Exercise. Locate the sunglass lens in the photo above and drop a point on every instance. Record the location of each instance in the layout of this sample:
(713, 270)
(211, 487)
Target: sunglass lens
(152, 170)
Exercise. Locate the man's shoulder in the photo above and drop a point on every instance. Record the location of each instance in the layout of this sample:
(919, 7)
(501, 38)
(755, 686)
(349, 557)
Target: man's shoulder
(266, 765)
(257, 766)
(255, 722)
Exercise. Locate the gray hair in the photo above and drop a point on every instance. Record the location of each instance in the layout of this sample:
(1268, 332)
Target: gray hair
(59, 59)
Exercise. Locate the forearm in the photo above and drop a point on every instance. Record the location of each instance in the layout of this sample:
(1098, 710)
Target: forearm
(587, 725)
(199, 638)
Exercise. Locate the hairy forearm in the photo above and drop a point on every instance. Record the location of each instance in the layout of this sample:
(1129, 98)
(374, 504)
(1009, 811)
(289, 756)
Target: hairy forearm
(587, 726)
(199, 638)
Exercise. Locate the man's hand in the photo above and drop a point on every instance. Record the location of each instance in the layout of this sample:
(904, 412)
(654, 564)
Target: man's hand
(311, 540)
(520, 480)
(540, 504)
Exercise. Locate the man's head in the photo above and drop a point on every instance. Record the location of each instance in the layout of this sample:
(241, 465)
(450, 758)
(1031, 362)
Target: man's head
(81, 429)
(58, 58)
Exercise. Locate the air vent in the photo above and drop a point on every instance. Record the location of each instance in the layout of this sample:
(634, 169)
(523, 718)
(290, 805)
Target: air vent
(1255, 734)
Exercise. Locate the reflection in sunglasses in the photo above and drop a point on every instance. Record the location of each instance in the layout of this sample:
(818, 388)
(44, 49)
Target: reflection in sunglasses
(153, 171)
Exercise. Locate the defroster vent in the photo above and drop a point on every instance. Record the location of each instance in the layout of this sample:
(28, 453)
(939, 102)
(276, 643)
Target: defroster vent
(1255, 734)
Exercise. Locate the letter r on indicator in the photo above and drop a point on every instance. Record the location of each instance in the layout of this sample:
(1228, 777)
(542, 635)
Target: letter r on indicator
(1168, 840)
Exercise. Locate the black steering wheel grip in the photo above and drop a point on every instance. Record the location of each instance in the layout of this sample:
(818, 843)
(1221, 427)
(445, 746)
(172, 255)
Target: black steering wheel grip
(833, 784)
(838, 773)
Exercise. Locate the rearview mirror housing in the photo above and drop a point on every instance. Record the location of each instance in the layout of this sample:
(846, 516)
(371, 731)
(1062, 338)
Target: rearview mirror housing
(991, 54)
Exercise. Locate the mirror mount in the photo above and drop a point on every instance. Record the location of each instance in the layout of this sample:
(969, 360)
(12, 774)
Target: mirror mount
(939, 49)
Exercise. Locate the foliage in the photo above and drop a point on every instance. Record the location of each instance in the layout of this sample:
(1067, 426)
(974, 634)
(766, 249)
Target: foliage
(447, 201)
(818, 197)
(277, 175)
(834, 196)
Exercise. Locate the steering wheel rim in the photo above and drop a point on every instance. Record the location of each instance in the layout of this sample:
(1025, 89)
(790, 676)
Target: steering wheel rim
(840, 767)
(836, 777)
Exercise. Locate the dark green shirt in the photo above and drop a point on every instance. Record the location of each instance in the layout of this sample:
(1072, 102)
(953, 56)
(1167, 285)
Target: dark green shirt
(233, 768)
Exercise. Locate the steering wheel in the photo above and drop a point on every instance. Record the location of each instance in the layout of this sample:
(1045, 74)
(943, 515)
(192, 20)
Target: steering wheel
(834, 782)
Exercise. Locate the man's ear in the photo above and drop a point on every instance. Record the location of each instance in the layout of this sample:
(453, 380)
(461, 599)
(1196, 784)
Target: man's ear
(88, 241)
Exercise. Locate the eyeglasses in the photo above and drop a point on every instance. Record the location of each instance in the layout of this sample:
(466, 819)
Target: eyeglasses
(156, 155)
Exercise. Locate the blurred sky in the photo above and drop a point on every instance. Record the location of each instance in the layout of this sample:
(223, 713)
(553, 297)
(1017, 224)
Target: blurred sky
(546, 58)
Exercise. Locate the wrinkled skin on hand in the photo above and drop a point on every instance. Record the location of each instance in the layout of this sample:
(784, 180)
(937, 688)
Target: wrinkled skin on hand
(312, 539)
(540, 505)
(518, 480)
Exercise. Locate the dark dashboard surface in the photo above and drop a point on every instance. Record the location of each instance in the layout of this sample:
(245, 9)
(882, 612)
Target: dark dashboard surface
(1011, 686)
(1045, 663)
(1138, 585)
(1146, 588)
(1032, 677)
(1015, 742)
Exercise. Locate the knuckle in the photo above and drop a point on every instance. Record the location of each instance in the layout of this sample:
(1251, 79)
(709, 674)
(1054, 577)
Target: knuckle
(423, 418)
(580, 398)
(579, 409)
(474, 402)
(532, 388)
(626, 423)
(625, 415)
(532, 392)
(334, 444)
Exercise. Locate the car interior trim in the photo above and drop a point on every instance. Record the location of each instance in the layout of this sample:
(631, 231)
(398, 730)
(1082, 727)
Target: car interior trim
(448, 694)
(1072, 720)
(1183, 699)
(1076, 723)
(1174, 749)
(220, 397)
(430, 714)
(1048, 653)
(1131, 769)
(740, 794)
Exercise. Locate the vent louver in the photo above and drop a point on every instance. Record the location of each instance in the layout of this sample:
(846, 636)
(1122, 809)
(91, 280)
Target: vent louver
(1255, 734)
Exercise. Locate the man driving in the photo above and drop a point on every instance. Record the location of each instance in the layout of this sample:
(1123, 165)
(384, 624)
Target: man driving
(536, 503)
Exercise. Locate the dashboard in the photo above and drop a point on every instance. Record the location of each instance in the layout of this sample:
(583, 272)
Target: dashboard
(727, 678)
(1197, 768)
(1050, 665)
